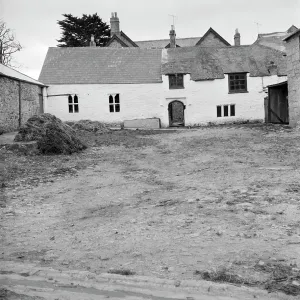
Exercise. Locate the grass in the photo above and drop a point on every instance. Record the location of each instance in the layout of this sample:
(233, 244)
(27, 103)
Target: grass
(126, 138)
(280, 277)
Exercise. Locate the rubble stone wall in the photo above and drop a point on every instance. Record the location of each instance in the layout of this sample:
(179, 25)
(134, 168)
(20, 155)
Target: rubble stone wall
(293, 72)
(9, 102)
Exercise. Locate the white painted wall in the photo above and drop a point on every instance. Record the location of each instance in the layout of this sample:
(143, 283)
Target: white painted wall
(140, 101)
(137, 101)
(202, 97)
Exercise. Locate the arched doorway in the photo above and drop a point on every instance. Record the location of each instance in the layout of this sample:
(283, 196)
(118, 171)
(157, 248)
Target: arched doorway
(176, 113)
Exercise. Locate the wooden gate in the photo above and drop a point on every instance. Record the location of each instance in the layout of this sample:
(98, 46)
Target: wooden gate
(276, 105)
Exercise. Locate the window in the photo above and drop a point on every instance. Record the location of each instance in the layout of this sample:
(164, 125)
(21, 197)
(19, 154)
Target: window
(226, 110)
(176, 81)
(114, 103)
(237, 83)
(73, 104)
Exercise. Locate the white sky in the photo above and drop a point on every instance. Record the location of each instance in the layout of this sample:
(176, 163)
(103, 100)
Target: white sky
(34, 22)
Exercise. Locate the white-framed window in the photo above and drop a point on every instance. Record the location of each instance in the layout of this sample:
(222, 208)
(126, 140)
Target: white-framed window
(114, 103)
(73, 104)
(227, 110)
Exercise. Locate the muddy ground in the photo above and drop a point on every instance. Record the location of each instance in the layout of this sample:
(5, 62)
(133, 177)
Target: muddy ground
(219, 203)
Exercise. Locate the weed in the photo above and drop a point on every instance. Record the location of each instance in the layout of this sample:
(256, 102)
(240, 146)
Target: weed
(124, 272)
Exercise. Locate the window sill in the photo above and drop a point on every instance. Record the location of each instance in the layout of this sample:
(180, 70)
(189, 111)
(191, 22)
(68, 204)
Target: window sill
(239, 92)
(177, 88)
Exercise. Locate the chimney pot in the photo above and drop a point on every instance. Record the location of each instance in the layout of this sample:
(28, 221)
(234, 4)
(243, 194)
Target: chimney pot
(92, 42)
(237, 38)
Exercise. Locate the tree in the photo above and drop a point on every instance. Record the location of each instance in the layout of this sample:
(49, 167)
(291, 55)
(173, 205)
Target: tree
(76, 32)
(8, 44)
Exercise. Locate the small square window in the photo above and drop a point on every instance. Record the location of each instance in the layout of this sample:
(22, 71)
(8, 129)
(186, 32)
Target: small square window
(111, 108)
(227, 110)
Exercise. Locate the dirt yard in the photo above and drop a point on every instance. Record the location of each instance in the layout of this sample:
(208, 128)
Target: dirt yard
(219, 203)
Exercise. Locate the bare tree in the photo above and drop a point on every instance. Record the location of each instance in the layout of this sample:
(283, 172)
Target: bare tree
(8, 44)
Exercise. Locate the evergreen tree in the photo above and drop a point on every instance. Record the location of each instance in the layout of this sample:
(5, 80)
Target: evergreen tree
(76, 32)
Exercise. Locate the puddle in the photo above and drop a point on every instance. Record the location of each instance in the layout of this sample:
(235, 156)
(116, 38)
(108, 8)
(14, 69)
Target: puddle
(277, 168)
(31, 284)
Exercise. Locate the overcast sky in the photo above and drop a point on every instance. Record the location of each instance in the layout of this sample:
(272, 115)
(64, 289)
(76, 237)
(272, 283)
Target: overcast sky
(34, 22)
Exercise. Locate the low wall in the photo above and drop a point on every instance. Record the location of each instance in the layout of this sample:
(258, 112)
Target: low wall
(143, 123)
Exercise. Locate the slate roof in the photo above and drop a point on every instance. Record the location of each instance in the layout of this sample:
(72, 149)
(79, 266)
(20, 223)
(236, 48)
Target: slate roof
(275, 40)
(11, 73)
(212, 63)
(161, 44)
(272, 40)
(291, 34)
(91, 65)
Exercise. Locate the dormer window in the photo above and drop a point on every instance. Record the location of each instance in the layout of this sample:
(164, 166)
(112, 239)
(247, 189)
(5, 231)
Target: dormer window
(176, 81)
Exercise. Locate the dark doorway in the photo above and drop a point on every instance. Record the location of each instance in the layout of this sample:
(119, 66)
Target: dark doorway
(276, 104)
(176, 113)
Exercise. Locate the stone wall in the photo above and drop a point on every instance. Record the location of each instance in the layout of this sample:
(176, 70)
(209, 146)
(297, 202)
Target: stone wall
(293, 72)
(9, 102)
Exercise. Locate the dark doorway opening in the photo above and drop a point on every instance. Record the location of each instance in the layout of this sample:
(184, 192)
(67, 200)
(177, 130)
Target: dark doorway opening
(276, 104)
(176, 113)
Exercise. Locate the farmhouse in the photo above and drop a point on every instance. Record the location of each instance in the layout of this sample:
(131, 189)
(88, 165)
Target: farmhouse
(20, 98)
(178, 82)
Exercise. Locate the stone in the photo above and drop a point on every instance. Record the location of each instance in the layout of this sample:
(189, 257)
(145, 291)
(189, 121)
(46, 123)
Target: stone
(295, 283)
(191, 200)
(177, 283)
(151, 123)
(261, 263)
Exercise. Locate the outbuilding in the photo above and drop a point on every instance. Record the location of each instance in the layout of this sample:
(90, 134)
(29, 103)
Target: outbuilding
(20, 98)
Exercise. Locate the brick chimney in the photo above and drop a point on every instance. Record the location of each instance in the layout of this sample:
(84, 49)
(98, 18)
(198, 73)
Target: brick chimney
(237, 38)
(172, 37)
(92, 42)
(114, 24)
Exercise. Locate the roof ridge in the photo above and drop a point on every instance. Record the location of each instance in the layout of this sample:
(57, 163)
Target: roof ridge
(167, 39)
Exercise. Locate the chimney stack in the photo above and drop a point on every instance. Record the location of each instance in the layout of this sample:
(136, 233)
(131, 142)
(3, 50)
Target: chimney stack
(237, 38)
(92, 42)
(172, 37)
(114, 24)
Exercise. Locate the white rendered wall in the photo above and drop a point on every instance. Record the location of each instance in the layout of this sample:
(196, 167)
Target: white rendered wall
(202, 97)
(139, 101)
